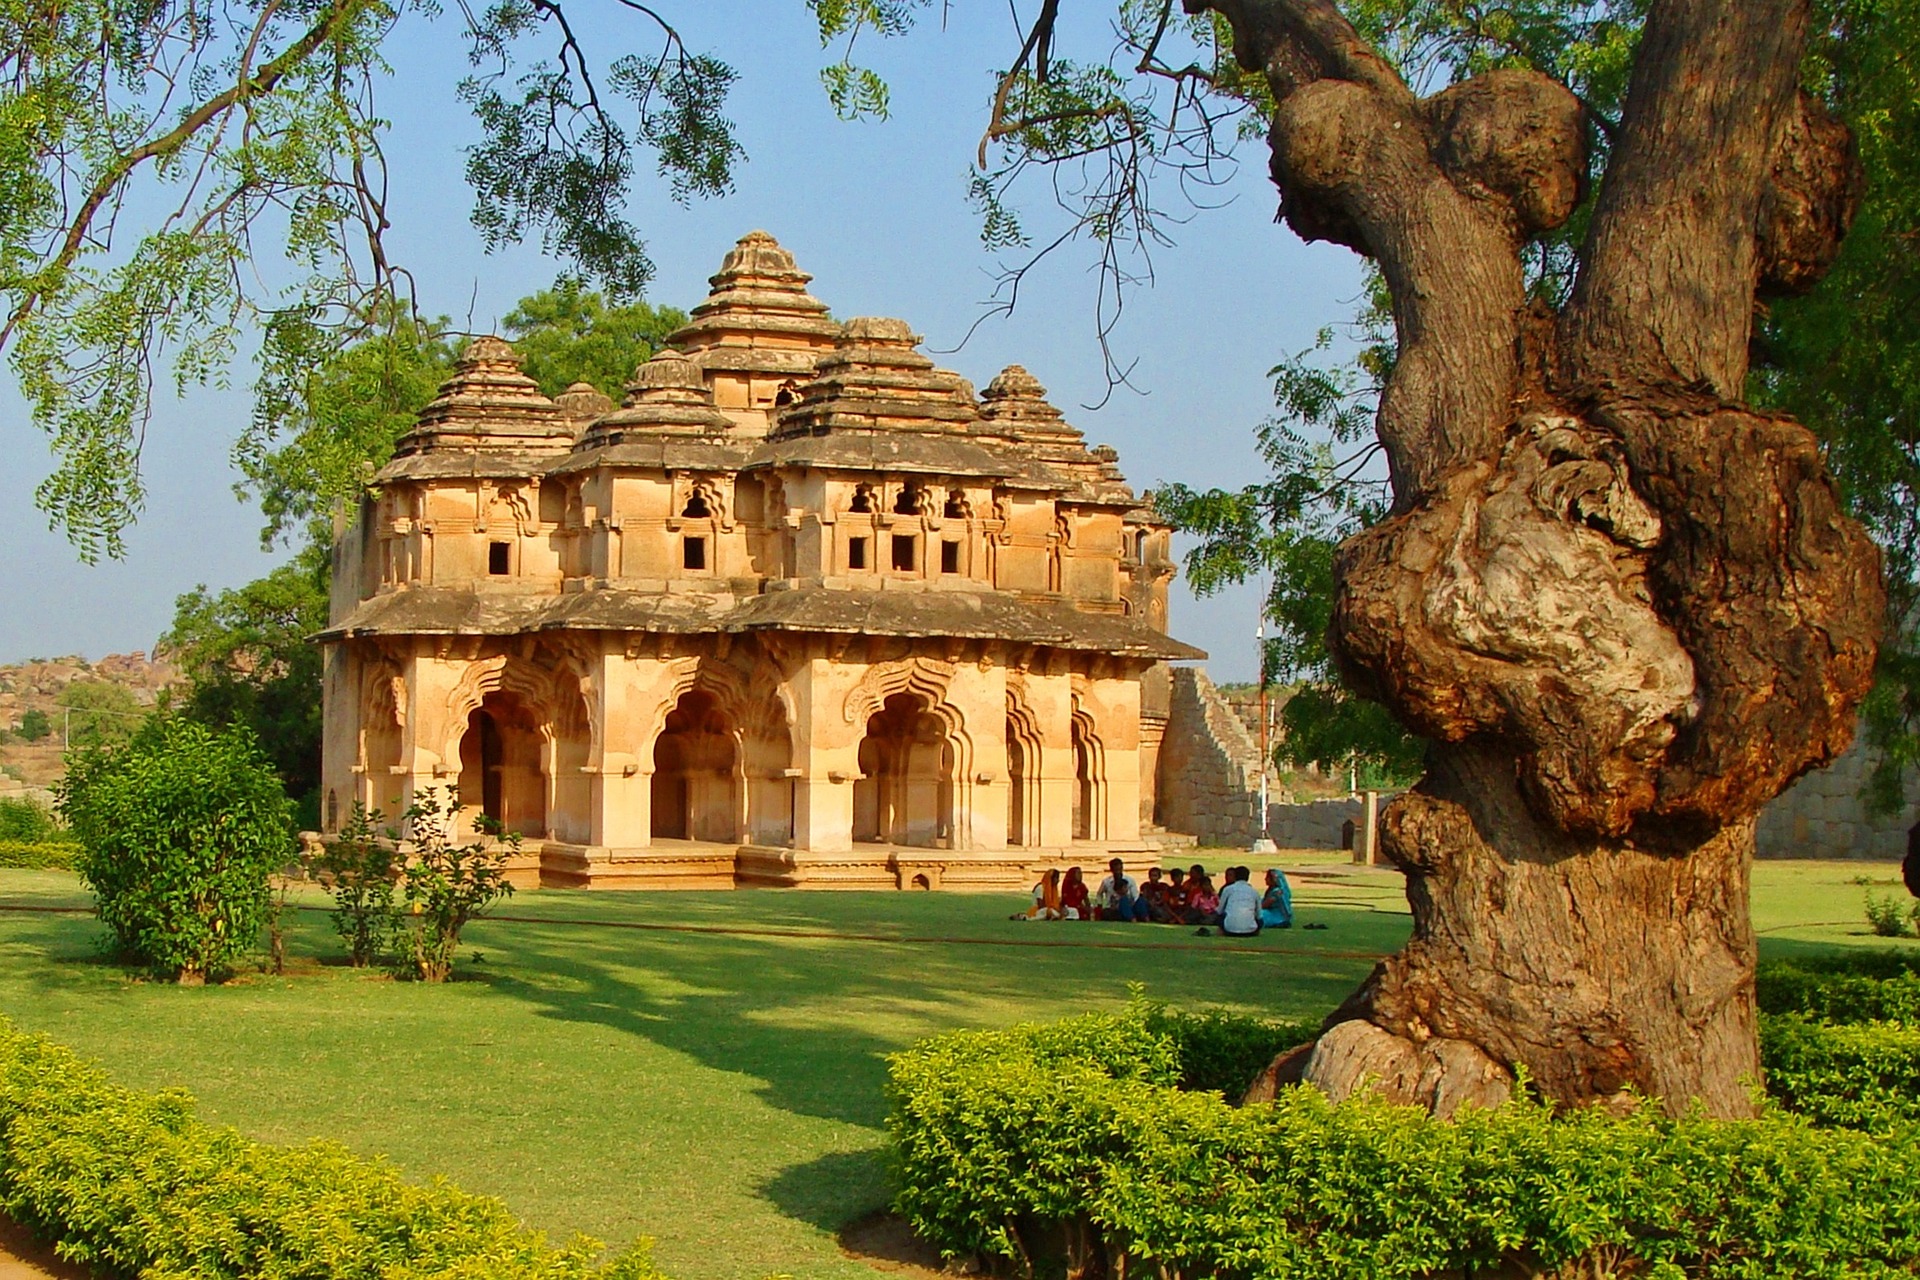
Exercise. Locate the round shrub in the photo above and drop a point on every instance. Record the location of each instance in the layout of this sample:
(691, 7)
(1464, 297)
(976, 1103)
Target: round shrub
(180, 829)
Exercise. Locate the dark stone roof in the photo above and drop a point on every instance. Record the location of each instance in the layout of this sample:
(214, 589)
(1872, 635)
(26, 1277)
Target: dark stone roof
(983, 615)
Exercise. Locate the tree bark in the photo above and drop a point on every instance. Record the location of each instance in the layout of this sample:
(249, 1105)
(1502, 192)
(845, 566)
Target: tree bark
(1626, 608)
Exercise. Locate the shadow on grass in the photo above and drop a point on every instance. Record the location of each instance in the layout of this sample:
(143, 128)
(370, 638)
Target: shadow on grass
(831, 1191)
(812, 1019)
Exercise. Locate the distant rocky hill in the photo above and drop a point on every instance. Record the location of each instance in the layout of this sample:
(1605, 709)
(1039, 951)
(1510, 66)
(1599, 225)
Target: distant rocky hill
(37, 685)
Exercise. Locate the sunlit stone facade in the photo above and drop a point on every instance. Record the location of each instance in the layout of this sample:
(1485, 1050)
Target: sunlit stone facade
(804, 610)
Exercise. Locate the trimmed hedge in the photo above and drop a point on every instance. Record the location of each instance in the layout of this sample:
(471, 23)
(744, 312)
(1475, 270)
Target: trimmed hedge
(1223, 1051)
(130, 1183)
(38, 855)
(1000, 1137)
(1868, 986)
(1860, 1076)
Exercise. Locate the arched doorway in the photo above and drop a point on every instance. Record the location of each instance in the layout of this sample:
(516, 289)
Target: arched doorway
(1023, 779)
(1089, 783)
(500, 773)
(904, 795)
(695, 768)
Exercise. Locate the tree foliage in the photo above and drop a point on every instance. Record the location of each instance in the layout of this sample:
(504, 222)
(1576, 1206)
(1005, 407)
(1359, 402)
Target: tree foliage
(34, 725)
(568, 334)
(147, 151)
(180, 829)
(250, 661)
(1325, 485)
(98, 713)
(325, 415)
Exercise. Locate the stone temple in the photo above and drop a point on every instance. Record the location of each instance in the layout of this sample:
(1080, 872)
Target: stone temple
(803, 610)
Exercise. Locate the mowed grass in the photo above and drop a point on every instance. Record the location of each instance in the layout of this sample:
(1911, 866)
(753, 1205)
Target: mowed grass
(704, 1068)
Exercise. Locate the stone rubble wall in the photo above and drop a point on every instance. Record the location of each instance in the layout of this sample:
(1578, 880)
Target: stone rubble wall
(1209, 785)
(1824, 816)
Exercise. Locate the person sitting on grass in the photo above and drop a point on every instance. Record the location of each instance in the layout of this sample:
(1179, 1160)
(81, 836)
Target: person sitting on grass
(1073, 896)
(1276, 904)
(1176, 896)
(1203, 906)
(1154, 893)
(1118, 897)
(1046, 899)
(1239, 905)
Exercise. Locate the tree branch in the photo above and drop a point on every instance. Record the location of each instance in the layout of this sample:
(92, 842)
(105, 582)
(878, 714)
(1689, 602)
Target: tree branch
(1664, 297)
(336, 16)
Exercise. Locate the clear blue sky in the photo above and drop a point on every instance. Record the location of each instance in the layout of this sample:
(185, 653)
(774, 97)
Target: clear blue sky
(876, 211)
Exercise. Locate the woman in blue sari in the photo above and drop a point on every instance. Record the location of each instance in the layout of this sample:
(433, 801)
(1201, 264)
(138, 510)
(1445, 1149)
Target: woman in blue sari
(1276, 904)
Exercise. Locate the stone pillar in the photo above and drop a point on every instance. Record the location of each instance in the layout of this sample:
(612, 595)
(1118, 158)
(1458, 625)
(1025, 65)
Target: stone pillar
(829, 759)
(430, 738)
(980, 786)
(1117, 721)
(636, 691)
(1050, 699)
(1367, 848)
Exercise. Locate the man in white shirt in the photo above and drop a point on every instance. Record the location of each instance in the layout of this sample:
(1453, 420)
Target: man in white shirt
(1118, 897)
(1239, 905)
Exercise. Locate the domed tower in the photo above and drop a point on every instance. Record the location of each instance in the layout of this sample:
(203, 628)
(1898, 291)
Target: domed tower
(758, 334)
(489, 405)
(461, 501)
(653, 484)
(878, 464)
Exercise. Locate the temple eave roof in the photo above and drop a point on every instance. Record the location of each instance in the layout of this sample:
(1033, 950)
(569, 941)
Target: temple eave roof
(808, 610)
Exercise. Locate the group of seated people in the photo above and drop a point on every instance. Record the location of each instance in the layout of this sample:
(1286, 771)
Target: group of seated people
(1172, 897)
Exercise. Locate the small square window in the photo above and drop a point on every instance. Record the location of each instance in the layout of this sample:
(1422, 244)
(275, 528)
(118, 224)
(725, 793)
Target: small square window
(693, 553)
(949, 557)
(856, 553)
(499, 558)
(903, 552)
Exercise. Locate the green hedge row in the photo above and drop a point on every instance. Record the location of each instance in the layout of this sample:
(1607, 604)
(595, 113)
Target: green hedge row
(130, 1183)
(38, 855)
(1855, 1076)
(1868, 986)
(999, 1138)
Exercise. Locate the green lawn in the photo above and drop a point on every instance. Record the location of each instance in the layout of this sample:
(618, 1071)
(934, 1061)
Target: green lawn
(704, 1068)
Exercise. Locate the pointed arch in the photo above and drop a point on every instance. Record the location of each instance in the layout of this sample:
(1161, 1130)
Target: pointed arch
(1025, 755)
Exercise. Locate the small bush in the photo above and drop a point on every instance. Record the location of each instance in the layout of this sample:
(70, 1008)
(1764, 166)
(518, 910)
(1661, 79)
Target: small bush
(1888, 917)
(130, 1184)
(1859, 1076)
(34, 725)
(180, 830)
(446, 883)
(1866, 986)
(1223, 1051)
(358, 869)
(25, 856)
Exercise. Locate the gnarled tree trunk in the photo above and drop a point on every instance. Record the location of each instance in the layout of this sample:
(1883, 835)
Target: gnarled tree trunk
(1625, 606)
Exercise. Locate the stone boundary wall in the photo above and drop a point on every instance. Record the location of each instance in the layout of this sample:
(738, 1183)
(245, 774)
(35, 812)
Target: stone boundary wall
(1209, 785)
(1316, 824)
(1824, 816)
